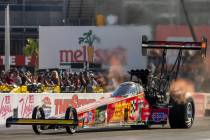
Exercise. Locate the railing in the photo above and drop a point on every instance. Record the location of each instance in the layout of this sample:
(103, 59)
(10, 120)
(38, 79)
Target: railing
(80, 12)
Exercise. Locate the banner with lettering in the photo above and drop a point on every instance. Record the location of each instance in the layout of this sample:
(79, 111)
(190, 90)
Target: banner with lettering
(6, 108)
(67, 45)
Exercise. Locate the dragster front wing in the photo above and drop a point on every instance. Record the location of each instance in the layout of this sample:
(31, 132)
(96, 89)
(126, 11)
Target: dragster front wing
(23, 121)
(70, 119)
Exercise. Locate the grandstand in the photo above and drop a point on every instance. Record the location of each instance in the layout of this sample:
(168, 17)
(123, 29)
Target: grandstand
(27, 15)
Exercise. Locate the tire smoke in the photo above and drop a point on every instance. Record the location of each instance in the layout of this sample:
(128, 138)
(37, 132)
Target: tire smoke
(181, 89)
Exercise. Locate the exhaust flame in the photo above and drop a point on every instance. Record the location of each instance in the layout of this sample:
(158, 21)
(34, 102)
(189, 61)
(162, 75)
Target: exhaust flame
(181, 89)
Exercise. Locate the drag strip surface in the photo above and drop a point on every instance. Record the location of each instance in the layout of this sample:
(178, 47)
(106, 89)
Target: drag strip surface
(199, 131)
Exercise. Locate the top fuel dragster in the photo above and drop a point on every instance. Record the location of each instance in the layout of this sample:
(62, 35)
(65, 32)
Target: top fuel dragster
(138, 104)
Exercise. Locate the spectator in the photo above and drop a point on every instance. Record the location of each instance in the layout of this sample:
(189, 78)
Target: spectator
(65, 81)
(82, 82)
(40, 79)
(68, 82)
(9, 78)
(55, 80)
(28, 77)
(2, 76)
(91, 83)
(17, 78)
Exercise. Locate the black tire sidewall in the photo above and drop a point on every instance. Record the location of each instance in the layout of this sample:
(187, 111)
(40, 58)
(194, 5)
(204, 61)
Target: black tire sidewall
(178, 114)
(189, 101)
(70, 129)
(34, 116)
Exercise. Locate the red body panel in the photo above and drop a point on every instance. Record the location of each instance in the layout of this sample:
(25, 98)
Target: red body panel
(121, 111)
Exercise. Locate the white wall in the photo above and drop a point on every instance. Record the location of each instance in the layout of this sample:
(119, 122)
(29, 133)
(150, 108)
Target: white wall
(52, 39)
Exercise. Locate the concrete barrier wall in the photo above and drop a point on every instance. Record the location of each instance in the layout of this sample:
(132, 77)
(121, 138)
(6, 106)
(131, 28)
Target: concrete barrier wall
(207, 105)
(21, 105)
(199, 100)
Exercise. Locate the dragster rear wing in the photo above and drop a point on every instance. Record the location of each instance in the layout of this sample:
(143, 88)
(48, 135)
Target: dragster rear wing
(201, 46)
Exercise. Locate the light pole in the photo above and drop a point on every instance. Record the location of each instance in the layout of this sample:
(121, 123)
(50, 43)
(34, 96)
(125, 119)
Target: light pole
(7, 39)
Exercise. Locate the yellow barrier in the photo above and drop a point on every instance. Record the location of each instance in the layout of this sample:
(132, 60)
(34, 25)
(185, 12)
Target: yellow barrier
(6, 88)
(97, 89)
(42, 89)
(52, 89)
(21, 89)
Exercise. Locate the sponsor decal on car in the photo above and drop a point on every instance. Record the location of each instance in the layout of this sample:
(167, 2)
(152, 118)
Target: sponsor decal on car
(119, 110)
(100, 117)
(133, 108)
(88, 117)
(159, 116)
(100, 114)
(62, 104)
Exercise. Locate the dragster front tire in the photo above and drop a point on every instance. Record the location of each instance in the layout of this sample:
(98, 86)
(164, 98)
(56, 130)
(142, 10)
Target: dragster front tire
(182, 115)
(137, 127)
(38, 113)
(71, 113)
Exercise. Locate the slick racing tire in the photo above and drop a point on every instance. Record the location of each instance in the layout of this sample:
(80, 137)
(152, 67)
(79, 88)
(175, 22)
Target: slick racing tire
(71, 113)
(38, 113)
(136, 127)
(182, 115)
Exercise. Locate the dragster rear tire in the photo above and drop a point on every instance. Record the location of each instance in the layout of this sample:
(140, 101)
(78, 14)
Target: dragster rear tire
(37, 128)
(182, 115)
(71, 113)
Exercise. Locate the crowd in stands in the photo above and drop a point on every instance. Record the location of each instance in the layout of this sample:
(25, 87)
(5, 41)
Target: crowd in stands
(66, 81)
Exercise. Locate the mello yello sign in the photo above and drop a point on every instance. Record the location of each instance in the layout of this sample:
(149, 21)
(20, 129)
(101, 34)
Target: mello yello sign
(72, 55)
(67, 44)
(85, 53)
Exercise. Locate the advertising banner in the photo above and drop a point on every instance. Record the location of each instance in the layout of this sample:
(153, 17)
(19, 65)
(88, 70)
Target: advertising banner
(59, 47)
(6, 108)
(199, 100)
(207, 106)
(208, 101)
(19, 60)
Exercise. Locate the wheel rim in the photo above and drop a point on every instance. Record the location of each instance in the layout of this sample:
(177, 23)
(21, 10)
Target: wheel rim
(189, 113)
(39, 116)
(71, 116)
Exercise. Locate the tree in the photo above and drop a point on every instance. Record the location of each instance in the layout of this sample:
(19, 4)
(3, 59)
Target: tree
(32, 49)
(88, 38)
